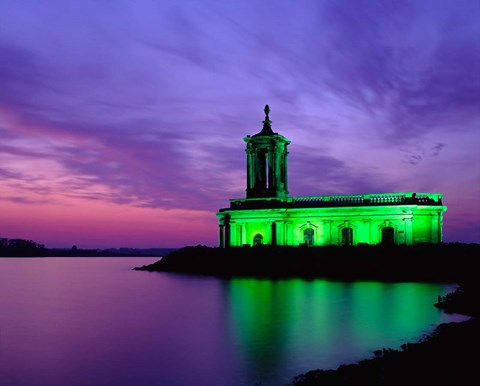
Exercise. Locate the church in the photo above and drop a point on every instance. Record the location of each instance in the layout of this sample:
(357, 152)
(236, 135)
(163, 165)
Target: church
(268, 215)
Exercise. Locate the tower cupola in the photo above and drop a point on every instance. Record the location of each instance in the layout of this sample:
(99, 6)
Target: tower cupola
(267, 162)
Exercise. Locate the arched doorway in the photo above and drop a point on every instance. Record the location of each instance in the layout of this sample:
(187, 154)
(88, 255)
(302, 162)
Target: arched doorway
(308, 235)
(347, 236)
(388, 236)
(258, 239)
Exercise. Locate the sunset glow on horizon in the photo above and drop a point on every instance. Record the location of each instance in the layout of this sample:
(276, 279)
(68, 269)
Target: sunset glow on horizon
(122, 123)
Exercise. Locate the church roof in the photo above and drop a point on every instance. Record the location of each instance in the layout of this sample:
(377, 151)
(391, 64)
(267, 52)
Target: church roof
(267, 125)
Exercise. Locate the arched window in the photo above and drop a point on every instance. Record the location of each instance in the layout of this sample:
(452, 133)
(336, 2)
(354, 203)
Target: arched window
(308, 236)
(347, 236)
(258, 239)
(388, 236)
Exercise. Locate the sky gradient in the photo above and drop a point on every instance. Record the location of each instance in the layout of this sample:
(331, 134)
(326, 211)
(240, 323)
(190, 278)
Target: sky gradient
(121, 122)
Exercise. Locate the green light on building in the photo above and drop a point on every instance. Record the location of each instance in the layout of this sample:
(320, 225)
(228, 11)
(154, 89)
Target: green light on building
(269, 216)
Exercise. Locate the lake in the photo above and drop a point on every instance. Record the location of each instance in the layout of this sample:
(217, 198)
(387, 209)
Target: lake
(96, 322)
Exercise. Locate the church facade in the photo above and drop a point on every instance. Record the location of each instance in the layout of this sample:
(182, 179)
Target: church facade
(268, 215)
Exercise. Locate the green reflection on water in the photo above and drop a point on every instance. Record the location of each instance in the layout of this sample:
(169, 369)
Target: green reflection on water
(311, 324)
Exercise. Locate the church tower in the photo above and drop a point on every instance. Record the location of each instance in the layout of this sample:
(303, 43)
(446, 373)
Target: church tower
(267, 162)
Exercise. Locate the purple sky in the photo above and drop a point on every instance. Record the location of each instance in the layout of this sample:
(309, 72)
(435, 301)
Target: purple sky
(121, 122)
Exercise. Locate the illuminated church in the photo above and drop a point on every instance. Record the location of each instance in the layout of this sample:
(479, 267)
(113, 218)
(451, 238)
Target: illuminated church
(269, 216)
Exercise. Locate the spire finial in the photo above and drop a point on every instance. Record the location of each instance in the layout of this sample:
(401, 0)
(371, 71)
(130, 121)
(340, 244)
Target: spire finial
(267, 124)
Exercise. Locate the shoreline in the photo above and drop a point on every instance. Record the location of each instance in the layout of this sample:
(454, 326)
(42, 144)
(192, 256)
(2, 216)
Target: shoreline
(452, 262)
(440, 358)
(443, 357)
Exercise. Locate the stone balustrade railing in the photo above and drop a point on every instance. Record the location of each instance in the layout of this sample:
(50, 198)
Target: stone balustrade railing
(403, 198)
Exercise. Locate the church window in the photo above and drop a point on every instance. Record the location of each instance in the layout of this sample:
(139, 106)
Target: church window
(347, 236)
(308, 236)
(258, 239)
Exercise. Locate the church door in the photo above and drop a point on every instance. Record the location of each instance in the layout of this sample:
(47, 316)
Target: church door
(388, 236)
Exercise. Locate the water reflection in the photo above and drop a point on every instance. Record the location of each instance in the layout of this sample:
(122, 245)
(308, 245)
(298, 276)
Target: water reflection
(310, 324)
(95, 322)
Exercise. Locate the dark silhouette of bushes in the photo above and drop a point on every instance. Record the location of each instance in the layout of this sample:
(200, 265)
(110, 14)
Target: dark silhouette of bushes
(425, 262)
(20, 248)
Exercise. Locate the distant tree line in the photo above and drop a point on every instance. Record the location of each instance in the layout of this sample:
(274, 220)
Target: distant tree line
(29, 248)
(20, 247)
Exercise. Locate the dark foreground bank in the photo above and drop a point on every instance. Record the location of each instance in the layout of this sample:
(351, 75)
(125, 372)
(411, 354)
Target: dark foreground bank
(447, 357)
(426, 262)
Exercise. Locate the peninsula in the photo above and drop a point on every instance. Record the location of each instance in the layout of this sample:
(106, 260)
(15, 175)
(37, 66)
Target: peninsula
(443, 262)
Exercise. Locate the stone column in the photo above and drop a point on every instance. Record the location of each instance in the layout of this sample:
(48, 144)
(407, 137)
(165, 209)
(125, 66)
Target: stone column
(227, 235)
(440, 227)
(241, 229)
(285, 170)
(221, 240)
(408, 230)
(280, 232)
(367, 224)
(437, 227)
(270, 170)
(288, 233)
(281, 236)
(274, 233)
(233, 241)
(327, 226)
(249, 167)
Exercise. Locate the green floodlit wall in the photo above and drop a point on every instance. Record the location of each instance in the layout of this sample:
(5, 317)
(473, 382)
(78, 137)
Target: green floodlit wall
(407, 224)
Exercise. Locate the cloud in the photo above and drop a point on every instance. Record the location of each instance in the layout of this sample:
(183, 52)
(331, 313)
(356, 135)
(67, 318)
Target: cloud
(317, 174)
(435, 150)
(413, 64)
(9, 175)
(21, 71)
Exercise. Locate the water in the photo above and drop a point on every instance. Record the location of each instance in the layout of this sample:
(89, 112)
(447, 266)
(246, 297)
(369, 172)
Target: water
(94, 321)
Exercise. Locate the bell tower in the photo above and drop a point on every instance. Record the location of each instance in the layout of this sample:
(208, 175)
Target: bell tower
(267, 162)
